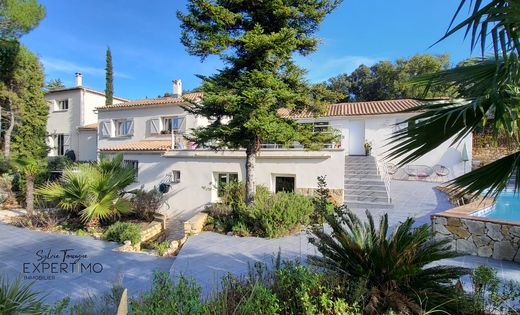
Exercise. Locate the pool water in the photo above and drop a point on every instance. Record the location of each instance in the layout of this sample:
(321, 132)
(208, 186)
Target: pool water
(507, 207)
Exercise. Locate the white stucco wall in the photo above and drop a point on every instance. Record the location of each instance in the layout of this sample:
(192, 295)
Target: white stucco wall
(141, 117)
(64, 122)
(87, 148)
(379, 128)
(198, 170)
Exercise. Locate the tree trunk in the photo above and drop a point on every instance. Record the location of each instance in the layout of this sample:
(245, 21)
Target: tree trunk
(250, 173)
(29, 194)
(9, 131)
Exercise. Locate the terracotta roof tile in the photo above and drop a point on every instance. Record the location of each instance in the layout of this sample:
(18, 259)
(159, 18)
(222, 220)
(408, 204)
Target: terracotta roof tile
(143, 145)
(153, 102)
(358, 109)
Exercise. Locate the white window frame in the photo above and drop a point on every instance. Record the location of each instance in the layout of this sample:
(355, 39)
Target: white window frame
(105, 129)
(57, 104)
(164, 124)
(216, 182)
(123, 127)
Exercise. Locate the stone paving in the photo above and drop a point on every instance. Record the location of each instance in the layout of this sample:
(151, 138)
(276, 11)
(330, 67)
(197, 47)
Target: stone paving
(209, 256)
(22, 246)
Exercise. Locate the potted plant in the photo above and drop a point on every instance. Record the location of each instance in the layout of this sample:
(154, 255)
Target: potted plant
(368, 148)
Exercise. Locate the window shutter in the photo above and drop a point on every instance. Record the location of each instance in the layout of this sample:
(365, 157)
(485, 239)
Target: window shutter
(182, 123)
(104, 127)
(131, 127)
(69, 103)
(155, 126)
(66, 143)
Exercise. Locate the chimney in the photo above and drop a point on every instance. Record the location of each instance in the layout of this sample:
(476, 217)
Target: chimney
(177, 88)
(79, 79)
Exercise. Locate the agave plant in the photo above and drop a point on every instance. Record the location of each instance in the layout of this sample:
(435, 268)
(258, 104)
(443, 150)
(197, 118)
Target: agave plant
(489, 89)
(18, 298)
(93, 190)
(395, 268)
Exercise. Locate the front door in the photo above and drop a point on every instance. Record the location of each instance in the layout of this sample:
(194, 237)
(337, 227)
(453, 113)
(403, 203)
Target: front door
(356, 137)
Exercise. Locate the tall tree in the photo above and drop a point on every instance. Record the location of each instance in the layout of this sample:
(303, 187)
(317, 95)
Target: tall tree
(387, 80)
(490, 88)
(18, 17)
(54, 84)
(109, 79)
(256, 40)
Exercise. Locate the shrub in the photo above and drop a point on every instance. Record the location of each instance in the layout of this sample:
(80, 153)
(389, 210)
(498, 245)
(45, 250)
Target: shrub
(162, 247)
(123, 231)
(322, 202)
(46, 220)
(271, 215)
(393, 267)
(18, 297)
(491, 296)
(146, 203)
(167, 297)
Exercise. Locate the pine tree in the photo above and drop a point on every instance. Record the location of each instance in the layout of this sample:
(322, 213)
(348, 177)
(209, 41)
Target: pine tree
(256, 40)
(109, 88)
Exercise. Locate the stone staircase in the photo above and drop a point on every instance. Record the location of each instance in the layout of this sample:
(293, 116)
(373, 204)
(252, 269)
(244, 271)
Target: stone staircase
(364, 187)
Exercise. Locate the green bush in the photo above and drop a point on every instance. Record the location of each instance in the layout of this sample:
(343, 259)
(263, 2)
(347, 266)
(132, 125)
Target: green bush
(146, 203)
(18, 297)
(167, 297)
(271, 215)
(123, 231)
(492, 296)
(162, 247)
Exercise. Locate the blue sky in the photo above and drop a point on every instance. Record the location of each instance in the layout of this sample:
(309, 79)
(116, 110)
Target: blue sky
(147, 54)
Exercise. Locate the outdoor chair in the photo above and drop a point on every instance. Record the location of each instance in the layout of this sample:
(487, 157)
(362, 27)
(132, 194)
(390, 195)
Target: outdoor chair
(418, 171)
(441, 170)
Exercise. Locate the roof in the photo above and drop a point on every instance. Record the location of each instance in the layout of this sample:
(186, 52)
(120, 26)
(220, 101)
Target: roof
(85, 89)
(89, 127)
(161, 101)
(357, 109)
(143, 145)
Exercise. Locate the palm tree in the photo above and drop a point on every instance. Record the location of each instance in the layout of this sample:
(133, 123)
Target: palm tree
(395, 268)
(93, 190)
(30, 167)
(489, 89)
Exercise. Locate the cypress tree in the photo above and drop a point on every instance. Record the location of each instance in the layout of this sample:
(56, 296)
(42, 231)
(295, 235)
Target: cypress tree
(257, 41)
(109, 87)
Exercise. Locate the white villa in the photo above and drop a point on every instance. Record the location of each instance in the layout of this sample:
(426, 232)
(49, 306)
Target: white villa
(72, 122)
(149, 133)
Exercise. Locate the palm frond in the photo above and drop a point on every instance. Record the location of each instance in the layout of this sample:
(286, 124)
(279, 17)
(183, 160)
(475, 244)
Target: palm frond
(18, 297)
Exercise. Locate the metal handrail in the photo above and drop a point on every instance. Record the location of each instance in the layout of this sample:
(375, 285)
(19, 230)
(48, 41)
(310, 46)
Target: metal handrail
(382, 169)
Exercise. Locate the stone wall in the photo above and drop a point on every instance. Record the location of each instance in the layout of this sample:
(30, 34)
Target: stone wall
(152, 231)
(479, 236)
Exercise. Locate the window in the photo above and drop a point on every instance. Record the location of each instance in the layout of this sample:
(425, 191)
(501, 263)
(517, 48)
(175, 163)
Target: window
(124, 127)
(284, 183)
(223, 179)
(321, 127)
(176, 177)
(62, 143)
(63, 105)
(171, 123)
(134, 164)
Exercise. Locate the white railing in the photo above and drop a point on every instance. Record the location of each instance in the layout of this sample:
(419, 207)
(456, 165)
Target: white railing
(382, 169)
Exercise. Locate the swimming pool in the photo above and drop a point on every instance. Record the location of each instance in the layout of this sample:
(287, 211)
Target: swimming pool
(507, 207)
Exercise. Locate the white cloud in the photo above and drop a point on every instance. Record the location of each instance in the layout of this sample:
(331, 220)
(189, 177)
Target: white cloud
(322, 68)
(68, 67)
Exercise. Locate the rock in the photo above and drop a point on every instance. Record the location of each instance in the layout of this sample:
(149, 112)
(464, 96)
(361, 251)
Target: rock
(466, 246)
(482, 240)
(494, 231)
(127, 243)
(440, 228)
(440, 220)
(517, 256)
(514, 230)
(505, 232)
(475, 227)
(454, 222)
(174, 245)
(504, 251)
(229, 233)
(458, 231)
(485, 251)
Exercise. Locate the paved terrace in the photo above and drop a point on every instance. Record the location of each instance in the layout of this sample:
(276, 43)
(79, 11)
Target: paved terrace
(22, 246)
(209, 256)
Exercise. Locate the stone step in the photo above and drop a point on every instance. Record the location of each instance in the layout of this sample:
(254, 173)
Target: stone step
(371, 199)
(363, 176)
(360, 171)
(363, 181)
(378, 187)
(368, 205)
(359, 192)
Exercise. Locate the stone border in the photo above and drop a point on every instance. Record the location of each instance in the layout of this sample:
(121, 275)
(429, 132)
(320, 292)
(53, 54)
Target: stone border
(480, 236)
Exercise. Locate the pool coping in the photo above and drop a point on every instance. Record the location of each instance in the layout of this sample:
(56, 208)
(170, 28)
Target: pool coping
(466, 211)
